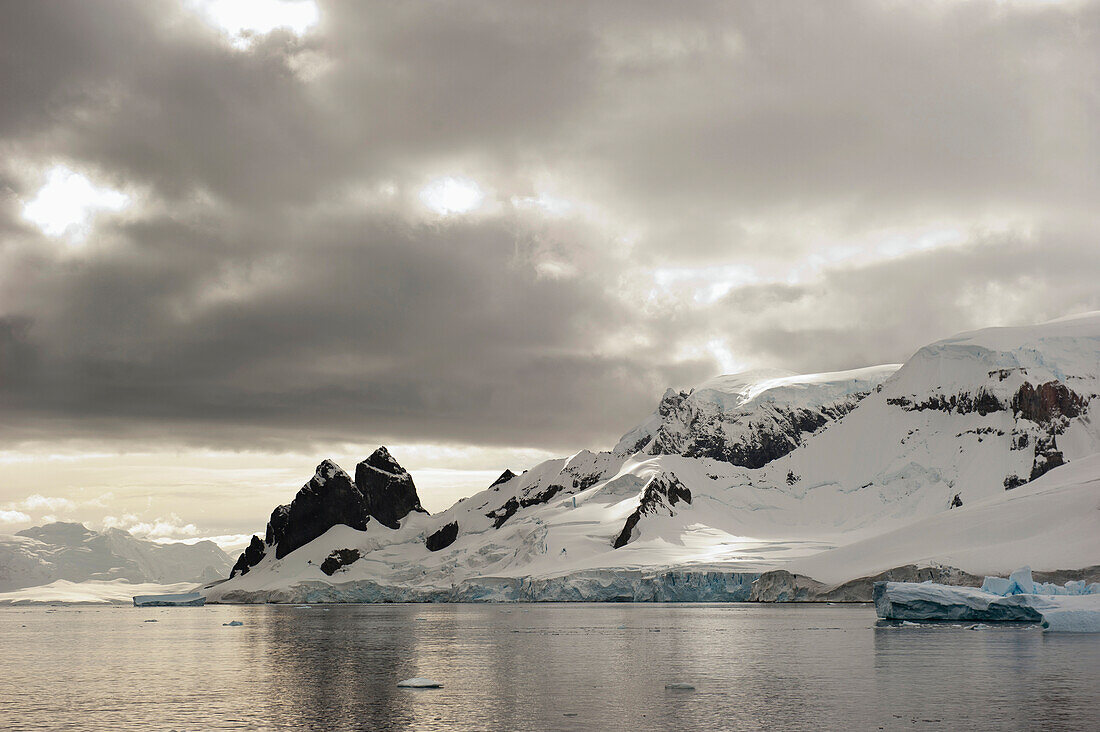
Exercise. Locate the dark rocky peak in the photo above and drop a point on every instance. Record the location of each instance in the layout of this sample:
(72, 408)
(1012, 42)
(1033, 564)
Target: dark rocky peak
(382, 489)
(328, 499)
(506, 476)
(660, 495)
(249, 558)
(382, 461)
(388, 490)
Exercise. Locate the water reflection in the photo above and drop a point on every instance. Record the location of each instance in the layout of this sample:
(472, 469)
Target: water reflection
(534, 667)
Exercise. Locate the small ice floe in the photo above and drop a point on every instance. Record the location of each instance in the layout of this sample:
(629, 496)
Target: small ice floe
(621, 627)
(978, 626)
(680, 686)
(233, 623)
(419, 682)
(302, 607)
(910, 623)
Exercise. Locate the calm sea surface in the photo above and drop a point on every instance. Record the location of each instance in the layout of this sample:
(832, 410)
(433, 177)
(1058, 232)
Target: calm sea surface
(533, 667)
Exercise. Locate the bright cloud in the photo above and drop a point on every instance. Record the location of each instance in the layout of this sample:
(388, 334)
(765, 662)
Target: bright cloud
(243, 20)
(68, 202)
(38, 502)
(13, 517)
(450, 195)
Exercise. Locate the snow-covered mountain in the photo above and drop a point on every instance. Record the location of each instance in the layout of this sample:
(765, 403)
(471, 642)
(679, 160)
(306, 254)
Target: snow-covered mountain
(751, 418)
(744, 474)
(70, 551)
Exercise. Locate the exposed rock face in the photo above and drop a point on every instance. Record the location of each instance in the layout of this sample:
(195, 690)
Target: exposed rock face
(387, 488)
(382, 489)
(660, 495)
(250, 558)
(506, 476)
(328, 499)
(442, 538)
(750, 419)
(339, 558)
(1042, 413)
(1050, 401)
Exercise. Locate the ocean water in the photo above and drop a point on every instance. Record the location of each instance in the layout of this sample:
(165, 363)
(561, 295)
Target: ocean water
(534, 667)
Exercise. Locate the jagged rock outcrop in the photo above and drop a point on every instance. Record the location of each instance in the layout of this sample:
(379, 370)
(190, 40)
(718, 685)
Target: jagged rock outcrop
(387, 488)
(660, 495)
(506, 476)
(250, 557)
(382, 490)
(328, 499)
(443, 538)
(339, 558)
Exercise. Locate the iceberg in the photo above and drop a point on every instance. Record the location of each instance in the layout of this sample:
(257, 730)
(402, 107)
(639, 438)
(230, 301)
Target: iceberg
(187, 599)
(1073, 607)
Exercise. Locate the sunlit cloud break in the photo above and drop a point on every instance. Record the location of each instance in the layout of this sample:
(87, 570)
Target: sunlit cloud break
(242, 20)
(68, 202)
(450, 195)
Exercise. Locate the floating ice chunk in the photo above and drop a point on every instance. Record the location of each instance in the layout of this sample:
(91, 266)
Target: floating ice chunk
(187, 599)
(997, 586)
(913, 601)
(1021, 578)
(1021, 583)
(233, 623)
(1070, 619)
(680, 686)
(419, 682)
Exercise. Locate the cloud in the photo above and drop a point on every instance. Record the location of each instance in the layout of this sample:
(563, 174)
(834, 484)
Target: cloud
(13, 517)
(37, 502)
(161, 529)
(661, 192)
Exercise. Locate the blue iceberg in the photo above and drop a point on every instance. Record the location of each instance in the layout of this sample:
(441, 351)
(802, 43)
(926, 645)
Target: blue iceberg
(1073, 607)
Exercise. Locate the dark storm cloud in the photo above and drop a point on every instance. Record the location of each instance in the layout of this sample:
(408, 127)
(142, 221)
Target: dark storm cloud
(262, 287)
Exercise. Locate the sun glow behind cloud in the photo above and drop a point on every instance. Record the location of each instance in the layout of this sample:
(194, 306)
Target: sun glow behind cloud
(243, 20)
(68, 202)
(452, 195)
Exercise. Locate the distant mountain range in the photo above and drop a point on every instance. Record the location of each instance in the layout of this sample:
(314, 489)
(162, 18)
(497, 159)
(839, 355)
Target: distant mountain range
(73, 552)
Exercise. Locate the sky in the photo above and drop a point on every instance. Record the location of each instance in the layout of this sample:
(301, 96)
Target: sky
(239, 237)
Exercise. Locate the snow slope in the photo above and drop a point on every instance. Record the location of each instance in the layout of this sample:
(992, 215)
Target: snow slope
(71, 552)
(1053, 523)
(761, 471)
